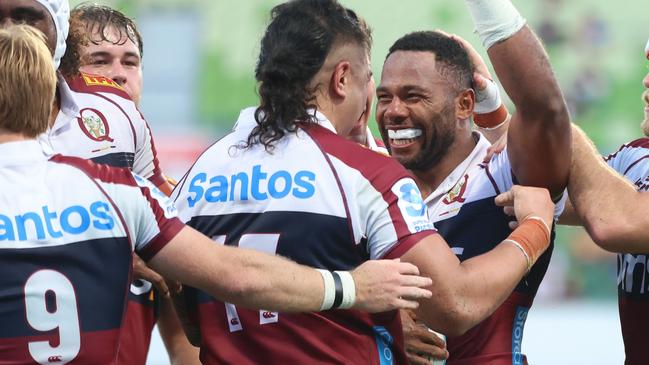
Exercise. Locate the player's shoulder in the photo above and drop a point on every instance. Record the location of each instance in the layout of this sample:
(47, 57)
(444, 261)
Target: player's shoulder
(102, 172)
(354, 155)
(635, 147)
(86, 83)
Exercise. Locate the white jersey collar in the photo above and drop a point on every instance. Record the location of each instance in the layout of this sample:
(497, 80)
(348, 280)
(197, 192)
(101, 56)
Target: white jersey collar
(474, 158)
(69, 108)
(247, 120)
(20, 153)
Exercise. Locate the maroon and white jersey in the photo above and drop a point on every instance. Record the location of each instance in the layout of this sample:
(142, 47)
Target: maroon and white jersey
(68, 228)
(98, 121)
(464, 211)
(632, 161)
(319, 200)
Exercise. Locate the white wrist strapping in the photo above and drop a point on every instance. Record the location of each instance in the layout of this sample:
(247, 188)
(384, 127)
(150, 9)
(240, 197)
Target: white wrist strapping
(487, 100)
(329, 289)
(495, 20)
(339, 290)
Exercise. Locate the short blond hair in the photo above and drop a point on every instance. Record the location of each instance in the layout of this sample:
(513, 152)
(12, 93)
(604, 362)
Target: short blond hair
(27, 81)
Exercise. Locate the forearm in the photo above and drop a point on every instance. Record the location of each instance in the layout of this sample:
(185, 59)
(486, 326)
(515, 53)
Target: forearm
(613, 212)
(180, 351)
(244, 277)
(480, 286)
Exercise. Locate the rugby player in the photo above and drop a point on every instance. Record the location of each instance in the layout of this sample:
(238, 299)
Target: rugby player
(286, 173)
(68, 228)
(113, 48)
(425, 103)
(620, 233)
(92, 117)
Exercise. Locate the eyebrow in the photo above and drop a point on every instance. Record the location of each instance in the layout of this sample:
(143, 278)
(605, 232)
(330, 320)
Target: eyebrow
(108, 54)
(403, 88)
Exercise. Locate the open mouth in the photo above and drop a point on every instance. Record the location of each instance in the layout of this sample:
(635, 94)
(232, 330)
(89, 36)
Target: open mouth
(403, 137)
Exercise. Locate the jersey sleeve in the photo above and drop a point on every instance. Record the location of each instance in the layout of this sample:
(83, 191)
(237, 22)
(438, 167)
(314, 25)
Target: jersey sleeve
(146, 162)
(148, 216)
(630, 156)
(397, 220)
(499, 171)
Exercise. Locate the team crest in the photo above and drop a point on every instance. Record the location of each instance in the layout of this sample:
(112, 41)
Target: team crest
(94, 125)
(457, 193)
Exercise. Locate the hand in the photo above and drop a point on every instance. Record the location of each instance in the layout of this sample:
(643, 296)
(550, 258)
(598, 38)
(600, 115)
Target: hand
(527, 201)
(383, 285)
(421, 344)
(164, 287)
(496, 148)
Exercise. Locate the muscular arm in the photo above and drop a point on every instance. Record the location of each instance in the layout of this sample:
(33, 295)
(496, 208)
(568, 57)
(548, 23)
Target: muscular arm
(614, 214)
(539, 132)
(464, 293)
(253, 279)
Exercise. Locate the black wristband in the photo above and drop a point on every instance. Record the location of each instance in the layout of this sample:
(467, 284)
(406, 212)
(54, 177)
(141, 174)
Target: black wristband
(338, 284)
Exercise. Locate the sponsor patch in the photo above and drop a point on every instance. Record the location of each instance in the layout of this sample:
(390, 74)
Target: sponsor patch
(411, 205)
(95, 80)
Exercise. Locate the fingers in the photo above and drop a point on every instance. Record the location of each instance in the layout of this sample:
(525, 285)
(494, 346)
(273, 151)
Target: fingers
(401, 303)
(174, 286)
(406, 268)
(141, 271)
(414, 293)
(509, 210)
(417, 359)
(480, 81)
(505, 199)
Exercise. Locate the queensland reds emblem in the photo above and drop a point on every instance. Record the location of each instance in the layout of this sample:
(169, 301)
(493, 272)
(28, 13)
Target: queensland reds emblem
(457, 193)
(94, 125)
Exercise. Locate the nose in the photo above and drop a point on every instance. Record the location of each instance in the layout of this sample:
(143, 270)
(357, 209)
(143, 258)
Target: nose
(117, 73)
(396, 111)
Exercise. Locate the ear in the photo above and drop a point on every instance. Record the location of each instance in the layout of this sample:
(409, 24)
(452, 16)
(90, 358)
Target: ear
(340, 79)
(464, 104)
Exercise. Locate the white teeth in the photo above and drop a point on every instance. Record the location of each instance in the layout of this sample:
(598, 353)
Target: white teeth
(404, 133)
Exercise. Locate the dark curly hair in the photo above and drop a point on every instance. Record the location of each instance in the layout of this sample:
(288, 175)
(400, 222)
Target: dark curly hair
(452, 60)
(296, 43)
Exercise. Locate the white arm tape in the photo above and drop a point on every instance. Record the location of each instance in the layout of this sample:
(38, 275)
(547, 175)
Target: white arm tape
(487, 100)
(329, 289)
(495, 20)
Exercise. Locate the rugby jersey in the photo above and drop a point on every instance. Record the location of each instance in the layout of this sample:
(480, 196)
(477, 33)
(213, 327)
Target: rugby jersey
(68, 228)
(319, 200)
(98, 121)
(632, 161)
(463, 210)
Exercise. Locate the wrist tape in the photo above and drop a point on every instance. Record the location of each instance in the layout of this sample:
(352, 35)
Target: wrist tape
(339, 290)
(495, 20)
(532, 237)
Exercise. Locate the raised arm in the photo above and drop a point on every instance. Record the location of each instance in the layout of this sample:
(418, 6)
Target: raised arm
(539, 132)
(615, 215)
(466, 293)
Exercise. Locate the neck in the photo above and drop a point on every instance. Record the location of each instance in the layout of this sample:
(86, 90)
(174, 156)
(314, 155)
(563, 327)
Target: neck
(12, 137)
(428, 180)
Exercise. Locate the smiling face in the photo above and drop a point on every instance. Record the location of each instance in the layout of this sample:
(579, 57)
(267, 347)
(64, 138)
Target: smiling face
(416, 109)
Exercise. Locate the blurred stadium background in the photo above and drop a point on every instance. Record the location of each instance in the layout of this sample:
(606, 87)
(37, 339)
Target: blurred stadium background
(199, 57)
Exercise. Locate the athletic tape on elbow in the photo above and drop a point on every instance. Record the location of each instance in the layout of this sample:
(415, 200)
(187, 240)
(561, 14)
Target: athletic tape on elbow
(495, 20)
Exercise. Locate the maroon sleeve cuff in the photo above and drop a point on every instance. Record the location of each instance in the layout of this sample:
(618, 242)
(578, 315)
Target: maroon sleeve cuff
(406, 244)
(167, 233)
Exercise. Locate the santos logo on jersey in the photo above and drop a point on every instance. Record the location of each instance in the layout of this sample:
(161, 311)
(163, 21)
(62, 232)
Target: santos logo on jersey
(75, 219)
(256, 185)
